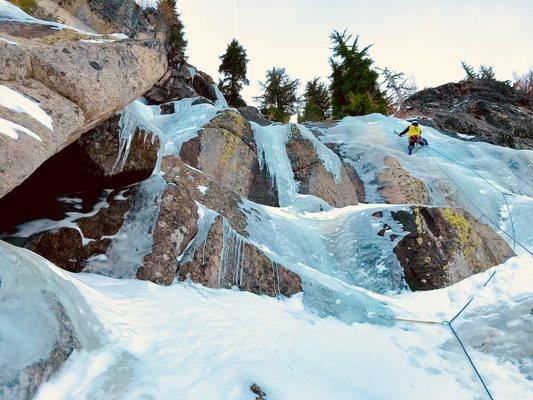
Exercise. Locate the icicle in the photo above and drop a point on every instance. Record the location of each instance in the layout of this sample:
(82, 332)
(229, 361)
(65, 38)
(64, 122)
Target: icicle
(220, 101)
(232, 257)
(273, 156)
(135, 115)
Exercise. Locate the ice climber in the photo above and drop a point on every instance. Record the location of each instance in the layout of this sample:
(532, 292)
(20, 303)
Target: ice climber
(414, 133)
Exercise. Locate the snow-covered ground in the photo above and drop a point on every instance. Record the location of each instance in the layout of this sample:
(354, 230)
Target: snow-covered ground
(190, 342)
(343, 338)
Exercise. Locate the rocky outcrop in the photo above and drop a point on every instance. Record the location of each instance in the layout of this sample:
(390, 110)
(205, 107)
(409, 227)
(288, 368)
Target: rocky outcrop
(222, 257)
(397, 186)
(313, 177)
(225, 151)
(252, 114)
(180, 81)
(78, 80)
(485, 110)
(105, 16)
(444, 246)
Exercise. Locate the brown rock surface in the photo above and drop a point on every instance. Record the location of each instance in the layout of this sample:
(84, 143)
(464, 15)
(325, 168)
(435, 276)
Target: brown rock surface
(446, 245)
(313, 177)
(397, 186)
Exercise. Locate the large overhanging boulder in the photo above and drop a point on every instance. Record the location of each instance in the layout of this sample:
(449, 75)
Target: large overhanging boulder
(68, 81)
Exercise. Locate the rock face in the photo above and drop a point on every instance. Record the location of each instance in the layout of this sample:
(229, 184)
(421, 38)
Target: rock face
(219, 255)
(487, 110)
(224, 150)
(77, 83)
(397, 186)
(313, 177)
(180, 81)
(444, 246)
(252, 114)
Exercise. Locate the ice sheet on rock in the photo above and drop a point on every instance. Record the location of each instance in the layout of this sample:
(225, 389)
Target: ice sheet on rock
(10, 129)
(134, 239)
(230, 271)
(475, 182)
(30, 290)
(233, 339)
(338, 253)
(206, 218)
(221, 100)
(15, 101)
(330, 160)
(172, 129)
(273, 158)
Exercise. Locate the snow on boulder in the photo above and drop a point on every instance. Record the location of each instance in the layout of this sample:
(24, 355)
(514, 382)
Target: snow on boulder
(65, 79)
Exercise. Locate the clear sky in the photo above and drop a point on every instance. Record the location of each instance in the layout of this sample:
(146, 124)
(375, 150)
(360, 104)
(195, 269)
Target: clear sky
(423, 38)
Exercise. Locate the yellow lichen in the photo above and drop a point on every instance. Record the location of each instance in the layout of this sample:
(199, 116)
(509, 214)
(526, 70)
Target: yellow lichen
(468, 238)
(230, 146)
(418, 221)
(63, 35)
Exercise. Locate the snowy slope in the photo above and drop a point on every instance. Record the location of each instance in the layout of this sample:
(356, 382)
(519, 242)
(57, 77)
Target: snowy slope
(189, 342)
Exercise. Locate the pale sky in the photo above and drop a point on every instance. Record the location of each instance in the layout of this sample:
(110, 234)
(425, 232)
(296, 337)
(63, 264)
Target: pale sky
(423, 38)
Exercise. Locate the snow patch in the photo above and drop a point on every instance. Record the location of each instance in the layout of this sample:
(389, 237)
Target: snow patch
(15, 101)
(10, 129)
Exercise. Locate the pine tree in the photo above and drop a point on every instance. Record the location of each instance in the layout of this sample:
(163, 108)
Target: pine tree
(354, 84)
(233, 69)
(168, 10)
(279, 99)
(469, 70)
(317, 102)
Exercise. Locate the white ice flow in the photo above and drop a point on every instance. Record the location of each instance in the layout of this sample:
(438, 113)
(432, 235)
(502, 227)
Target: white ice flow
(337, 340)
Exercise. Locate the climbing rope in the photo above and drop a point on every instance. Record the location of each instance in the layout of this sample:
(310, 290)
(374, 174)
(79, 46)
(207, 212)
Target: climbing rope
(454, 332)
(515, 242)
(483, 214)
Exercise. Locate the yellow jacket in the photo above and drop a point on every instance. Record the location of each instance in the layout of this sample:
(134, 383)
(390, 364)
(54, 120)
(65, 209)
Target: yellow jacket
(414, 131)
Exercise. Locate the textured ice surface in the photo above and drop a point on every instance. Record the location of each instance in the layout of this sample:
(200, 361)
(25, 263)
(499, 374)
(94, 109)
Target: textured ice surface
(468, 174)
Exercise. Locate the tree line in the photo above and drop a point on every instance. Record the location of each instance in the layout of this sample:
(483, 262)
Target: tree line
(354, 87)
